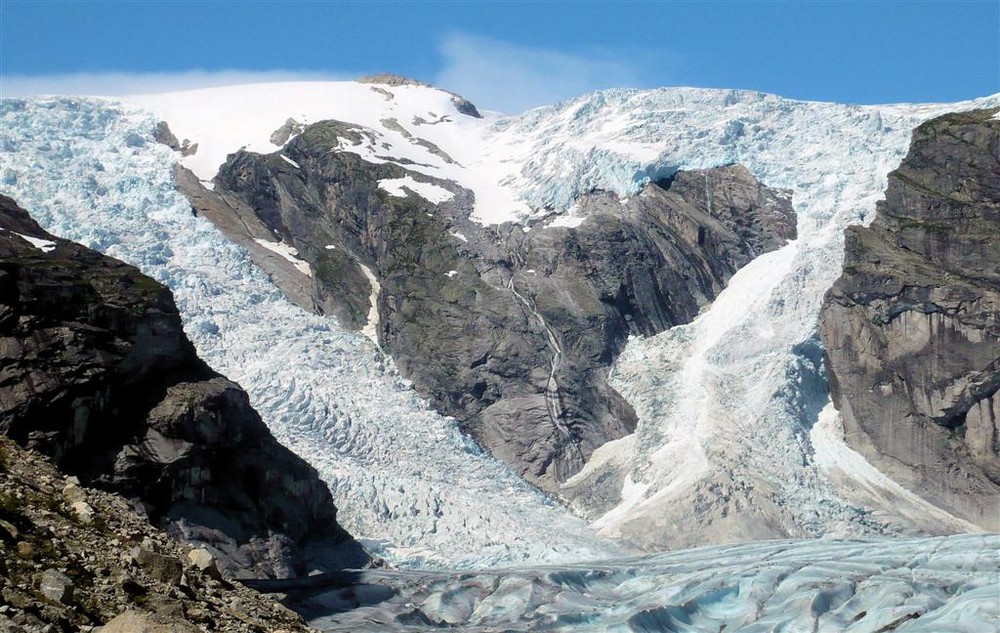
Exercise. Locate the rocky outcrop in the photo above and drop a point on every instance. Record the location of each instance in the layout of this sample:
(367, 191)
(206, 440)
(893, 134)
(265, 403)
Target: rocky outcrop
(463, 105)
(912, 327)
(510, 331)
(64, 571)
(96, 372)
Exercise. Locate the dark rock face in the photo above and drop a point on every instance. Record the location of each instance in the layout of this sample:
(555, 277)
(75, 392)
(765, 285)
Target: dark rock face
(511, 332)
(912, 328)
(96, 372)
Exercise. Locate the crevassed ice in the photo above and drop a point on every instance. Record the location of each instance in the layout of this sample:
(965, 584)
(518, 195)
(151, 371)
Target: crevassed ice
(402, 476)
(915, 585)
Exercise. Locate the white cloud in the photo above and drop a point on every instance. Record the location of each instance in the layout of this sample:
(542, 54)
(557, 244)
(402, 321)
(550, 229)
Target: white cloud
(111, 84)
(502, 76)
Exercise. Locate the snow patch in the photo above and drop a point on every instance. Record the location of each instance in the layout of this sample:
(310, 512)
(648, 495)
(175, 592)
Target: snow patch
(46, 246)
(459, 236)
(290, 253)
(289, 161)
(430, 192)
(371, 323)
(451, 273)
(568, 221)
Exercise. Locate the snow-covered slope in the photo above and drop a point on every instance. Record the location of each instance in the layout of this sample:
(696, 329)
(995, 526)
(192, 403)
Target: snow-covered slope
(417, 126)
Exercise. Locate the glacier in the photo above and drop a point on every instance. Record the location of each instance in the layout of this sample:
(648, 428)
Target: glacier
(733, 407)
(726, 403)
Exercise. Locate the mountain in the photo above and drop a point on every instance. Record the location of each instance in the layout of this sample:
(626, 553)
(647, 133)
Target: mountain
(510, 332)
(610, 295)
(98, 375)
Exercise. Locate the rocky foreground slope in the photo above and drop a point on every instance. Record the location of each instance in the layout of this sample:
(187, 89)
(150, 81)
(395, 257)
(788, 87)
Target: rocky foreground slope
(74, 559)
(96, 372)
(912, 327)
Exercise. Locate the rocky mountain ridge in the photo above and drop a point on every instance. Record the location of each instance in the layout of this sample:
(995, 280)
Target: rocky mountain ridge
(98, 374)
(511, 331)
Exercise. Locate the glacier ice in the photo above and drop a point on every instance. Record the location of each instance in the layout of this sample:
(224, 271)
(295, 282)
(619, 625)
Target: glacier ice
(725, 403)
(925, 585)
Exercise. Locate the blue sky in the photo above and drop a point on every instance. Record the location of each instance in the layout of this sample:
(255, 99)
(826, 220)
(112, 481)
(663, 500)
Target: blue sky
(511, 55)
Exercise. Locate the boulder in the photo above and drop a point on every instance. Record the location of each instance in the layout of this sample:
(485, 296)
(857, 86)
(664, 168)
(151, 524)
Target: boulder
(56, 586)
(202, 560)
(83, 511)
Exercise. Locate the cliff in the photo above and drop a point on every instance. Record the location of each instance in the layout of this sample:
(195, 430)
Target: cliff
(912, 327)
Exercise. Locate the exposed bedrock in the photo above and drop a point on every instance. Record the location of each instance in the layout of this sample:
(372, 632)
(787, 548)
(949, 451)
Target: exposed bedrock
(510, 331)
(96, 372)
(912, 327)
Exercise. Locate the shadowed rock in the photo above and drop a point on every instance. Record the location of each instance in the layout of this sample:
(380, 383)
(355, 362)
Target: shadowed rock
(96, 371)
